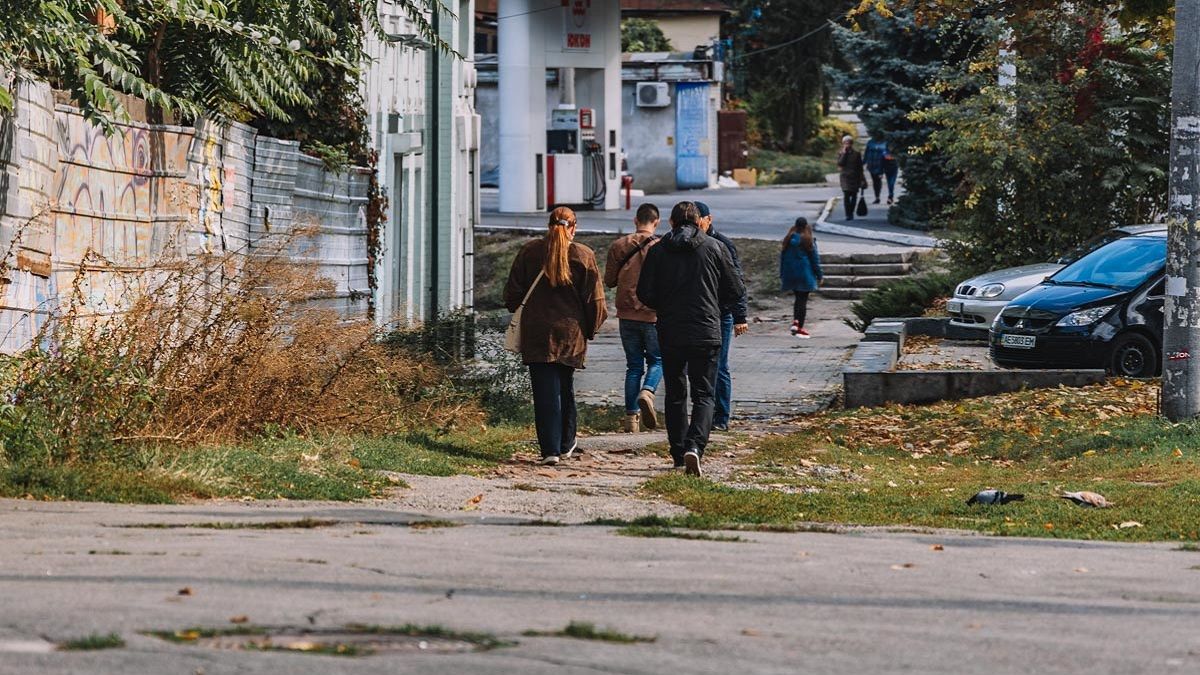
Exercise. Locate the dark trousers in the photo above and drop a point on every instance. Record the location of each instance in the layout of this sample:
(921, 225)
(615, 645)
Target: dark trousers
(877, 182)
(800, 308)
(693, 367)
(554, 410)
(850, 200)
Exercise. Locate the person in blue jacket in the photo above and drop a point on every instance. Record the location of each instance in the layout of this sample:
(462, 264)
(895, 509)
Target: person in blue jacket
(800, 271)
(881, 162)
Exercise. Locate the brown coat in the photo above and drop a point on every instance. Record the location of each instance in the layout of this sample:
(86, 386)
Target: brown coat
(625, 279)
(557, 321)
(850, 170)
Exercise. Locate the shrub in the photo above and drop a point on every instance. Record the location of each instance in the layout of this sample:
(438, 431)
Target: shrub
(909, 296)
(781, 168)
(213, 348)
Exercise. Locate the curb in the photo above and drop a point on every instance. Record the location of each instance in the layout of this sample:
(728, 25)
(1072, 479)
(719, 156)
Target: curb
(827, 227)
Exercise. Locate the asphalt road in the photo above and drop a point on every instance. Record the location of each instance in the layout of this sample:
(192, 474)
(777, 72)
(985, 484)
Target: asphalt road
(758, 213)
(866, 602)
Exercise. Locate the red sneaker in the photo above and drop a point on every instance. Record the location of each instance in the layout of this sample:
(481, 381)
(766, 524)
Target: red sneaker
(795, 327)
(802, 334)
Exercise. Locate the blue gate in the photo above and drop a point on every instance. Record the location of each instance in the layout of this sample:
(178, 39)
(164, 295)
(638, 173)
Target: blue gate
(691, 135)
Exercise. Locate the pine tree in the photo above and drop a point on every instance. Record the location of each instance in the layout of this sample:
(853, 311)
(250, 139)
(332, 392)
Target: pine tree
(890, 65)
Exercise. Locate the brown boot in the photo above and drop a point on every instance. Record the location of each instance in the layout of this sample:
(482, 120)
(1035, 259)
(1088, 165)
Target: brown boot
(646, 403)
(630, 424)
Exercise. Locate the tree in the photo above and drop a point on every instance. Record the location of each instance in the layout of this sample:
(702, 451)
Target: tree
(890, 66)
(247, 60)
(1077, 145)
(782, 47)
(643, 35)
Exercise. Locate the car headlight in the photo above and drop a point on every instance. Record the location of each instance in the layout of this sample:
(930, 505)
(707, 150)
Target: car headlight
(991, 290)
(1085, 317)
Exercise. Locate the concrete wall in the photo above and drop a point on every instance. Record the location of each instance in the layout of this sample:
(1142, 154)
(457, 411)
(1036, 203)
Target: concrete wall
(82, 209)
(649, 142)
(687, 31)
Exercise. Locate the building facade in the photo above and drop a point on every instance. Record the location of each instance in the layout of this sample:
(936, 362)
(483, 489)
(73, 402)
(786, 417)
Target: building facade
(421, 106)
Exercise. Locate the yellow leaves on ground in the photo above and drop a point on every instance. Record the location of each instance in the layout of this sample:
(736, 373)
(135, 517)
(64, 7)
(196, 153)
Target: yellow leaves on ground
(953, 428)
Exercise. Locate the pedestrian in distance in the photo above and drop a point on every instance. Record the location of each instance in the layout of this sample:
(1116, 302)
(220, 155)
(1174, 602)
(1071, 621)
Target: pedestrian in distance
(733, 322)
(851, 176)
(687, 278)
(558, 283)
(800, 271)
(639, 336)
(881, 163)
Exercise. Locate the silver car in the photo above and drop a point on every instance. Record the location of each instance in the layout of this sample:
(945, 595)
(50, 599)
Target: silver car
(978, 300)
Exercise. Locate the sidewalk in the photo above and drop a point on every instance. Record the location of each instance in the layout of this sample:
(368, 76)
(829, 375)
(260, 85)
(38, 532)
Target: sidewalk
(874, 225)
(775, 375)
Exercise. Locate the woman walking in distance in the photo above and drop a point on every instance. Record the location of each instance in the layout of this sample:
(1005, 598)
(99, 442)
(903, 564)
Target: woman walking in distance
(800, 271)
(850, 175)
(564, 309)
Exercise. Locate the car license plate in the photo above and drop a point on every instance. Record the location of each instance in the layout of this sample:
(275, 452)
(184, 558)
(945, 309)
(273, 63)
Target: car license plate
(1018, 341)
(954, 306)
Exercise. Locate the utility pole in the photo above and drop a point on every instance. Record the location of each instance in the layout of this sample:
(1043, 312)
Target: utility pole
(1181, 338)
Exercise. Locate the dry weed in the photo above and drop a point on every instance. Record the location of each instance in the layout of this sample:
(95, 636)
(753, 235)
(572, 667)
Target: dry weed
(205, 349)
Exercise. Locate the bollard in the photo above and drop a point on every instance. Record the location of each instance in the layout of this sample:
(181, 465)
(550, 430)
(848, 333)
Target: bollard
(627, 183)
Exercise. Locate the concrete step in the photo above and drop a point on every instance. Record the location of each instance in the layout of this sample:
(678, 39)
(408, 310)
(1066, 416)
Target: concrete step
(882, 269)
(891, 257)
(859, 282)
(844, 293)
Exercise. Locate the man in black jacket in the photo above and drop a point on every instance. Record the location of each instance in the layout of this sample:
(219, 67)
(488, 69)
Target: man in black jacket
(733, 322)
(687, 279)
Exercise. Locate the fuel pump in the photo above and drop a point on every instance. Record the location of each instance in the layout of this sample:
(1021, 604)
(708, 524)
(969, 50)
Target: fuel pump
(574, 161)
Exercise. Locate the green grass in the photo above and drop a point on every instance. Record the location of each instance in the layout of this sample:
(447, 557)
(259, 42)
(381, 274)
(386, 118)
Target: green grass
(433, 524)
(481, 641)
(93, 642)
(587, 631)
(781, 168)
(671, 533)
(188, 635)
(301, 524)
(915, 466)
(335, 468)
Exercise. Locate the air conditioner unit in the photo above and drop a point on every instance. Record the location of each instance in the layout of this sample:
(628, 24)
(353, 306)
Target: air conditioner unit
(653, 94)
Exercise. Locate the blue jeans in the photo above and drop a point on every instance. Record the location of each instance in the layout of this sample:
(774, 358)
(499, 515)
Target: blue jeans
(642, 357)
(724, 393)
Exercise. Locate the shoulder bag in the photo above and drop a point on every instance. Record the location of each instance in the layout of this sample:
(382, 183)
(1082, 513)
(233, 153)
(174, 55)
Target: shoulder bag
(512, 336)
(635, 251)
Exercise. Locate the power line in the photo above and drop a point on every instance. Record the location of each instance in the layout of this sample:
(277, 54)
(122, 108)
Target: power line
(781, 45)
(532, 11)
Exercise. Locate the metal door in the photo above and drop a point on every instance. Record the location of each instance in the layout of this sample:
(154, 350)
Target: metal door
(731, 133)
(691, 135)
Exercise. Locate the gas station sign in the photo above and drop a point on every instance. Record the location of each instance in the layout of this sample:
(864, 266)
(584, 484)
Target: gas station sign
(577, 30)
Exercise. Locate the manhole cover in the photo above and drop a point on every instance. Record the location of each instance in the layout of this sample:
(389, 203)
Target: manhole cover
(347, 641)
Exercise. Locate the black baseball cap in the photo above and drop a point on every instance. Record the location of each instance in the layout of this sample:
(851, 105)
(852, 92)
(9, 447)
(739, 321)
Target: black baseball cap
(703, 209)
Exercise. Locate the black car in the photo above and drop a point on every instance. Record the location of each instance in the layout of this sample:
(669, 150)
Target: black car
(1104, 310)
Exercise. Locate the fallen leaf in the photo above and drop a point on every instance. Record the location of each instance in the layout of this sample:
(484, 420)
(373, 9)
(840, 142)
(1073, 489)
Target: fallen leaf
(903, 566)
(1128, 524)
(473, 502)
(186, 590)
(750, 632)
(1081, 570)
(547, 474)
(937, 547)
(1049, 526)
(240, 618)
(1178, 452)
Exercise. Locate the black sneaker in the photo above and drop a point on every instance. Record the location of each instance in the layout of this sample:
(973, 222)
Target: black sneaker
(691, 463)
(720, 426)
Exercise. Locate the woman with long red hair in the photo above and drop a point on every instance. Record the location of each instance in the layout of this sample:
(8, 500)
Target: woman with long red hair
(559, 283)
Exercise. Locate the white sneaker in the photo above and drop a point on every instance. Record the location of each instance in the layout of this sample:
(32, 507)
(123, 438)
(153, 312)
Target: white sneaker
(568, 453)
(691, 463)
(550, 460)
(795, 329)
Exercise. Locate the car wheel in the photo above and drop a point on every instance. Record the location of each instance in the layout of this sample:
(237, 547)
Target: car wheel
(1133, 356)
